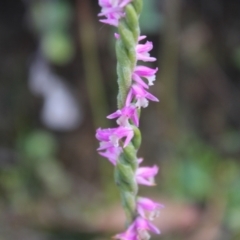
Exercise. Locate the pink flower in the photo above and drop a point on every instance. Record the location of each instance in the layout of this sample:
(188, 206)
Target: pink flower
(138, 230)
(141, 95)
(146, 72)
(111, 136)
(142, 226)
(145, 175)
(139, 80)
(123, 115)
(112, 154)
(113, 10)
(143, 51)
(146, 204)
(140, 160)
(129, 234)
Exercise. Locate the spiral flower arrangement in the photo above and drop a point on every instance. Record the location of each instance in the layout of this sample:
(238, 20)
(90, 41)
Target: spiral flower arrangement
(120, 145)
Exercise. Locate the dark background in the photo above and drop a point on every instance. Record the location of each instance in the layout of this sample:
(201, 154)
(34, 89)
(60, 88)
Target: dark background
(58, 83)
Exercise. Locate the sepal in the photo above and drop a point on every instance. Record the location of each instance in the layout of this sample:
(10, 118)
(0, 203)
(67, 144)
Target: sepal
(137, 138)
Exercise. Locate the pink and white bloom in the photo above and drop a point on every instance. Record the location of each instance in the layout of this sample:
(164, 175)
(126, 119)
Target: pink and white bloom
(113, 10)
(146, 204)
(143, 50)
(145, 175)
(139, 81)
(143, 226)
(146, 72)
(129, 234)
(111, 136)
(112, 154)
(141, 95)
(124, 114)
(140, 160)
(138, 230)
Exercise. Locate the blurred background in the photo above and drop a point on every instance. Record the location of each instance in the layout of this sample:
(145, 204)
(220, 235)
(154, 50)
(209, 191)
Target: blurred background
(58, 83)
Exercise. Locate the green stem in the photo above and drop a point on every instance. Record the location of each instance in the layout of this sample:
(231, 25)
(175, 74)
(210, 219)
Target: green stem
(126, 56)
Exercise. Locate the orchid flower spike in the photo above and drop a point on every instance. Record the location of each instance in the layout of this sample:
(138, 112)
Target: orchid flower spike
(120, 144)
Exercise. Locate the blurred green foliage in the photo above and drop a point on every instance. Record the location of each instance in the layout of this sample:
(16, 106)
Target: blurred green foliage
(236, 57)
(151, 20)
(232, 219)
(198, 174)
(51, 20)
(190, 174)
(37, 172)
(57, 47)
